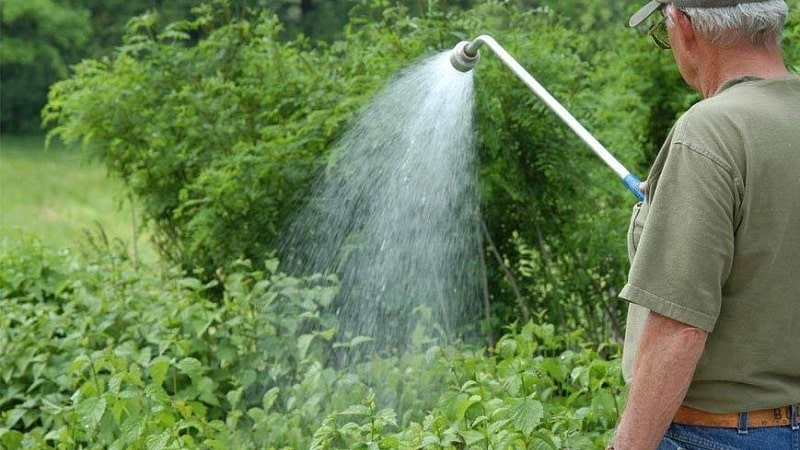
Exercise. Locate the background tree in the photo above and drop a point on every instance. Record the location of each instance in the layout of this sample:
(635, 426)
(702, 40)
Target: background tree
(39, 40)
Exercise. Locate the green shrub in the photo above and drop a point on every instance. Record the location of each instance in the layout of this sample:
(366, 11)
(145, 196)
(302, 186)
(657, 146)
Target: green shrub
(101, 354)
(217, 127)
(215, 138)
(219, 136)
(555, 212)
(530, 392)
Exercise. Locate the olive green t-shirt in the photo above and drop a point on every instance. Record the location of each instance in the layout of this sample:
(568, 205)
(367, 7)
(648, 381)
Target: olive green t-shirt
(716, 245)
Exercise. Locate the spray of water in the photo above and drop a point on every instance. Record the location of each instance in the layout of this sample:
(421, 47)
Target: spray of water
(395, 215)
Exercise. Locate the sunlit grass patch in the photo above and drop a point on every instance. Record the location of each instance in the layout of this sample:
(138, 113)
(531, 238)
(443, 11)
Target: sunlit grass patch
(58, 194)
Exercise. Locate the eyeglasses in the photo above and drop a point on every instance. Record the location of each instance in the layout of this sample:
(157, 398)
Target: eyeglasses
(658, 32)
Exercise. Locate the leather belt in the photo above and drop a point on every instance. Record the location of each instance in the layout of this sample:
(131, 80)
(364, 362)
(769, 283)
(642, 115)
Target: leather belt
(762, 418)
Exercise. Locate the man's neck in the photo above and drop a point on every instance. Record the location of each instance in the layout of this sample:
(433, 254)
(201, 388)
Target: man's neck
(723, 65)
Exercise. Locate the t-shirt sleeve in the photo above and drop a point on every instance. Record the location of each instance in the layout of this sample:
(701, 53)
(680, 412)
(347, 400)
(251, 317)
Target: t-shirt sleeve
(685, 252)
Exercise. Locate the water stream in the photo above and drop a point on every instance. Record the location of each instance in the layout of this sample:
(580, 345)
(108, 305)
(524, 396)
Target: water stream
(395, 215)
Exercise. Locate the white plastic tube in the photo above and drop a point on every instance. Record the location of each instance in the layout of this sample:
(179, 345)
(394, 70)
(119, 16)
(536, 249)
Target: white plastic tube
(468, 56)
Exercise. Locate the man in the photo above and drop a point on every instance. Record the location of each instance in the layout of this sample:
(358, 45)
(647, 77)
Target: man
(712, 348)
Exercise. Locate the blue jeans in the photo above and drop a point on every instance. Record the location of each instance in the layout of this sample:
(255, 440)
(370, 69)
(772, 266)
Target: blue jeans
(689, 437)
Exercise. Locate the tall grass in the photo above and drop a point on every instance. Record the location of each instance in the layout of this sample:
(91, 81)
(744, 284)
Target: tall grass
(58, 195)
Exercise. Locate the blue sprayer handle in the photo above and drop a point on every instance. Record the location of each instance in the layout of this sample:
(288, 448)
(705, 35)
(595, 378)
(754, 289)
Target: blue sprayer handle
(632, 183)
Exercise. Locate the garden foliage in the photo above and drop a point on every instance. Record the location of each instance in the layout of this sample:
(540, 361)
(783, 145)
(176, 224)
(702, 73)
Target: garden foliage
(40, 40)
(218, 127)
(98, 353)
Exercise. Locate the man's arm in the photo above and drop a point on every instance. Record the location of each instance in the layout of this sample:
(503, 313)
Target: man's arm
(665, 363)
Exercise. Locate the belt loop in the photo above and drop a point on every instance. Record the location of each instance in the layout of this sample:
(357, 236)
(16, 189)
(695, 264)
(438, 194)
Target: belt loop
(742, 423)
(793, 415)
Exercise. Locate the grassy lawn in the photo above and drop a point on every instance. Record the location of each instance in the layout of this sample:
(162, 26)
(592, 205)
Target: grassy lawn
(57, 195)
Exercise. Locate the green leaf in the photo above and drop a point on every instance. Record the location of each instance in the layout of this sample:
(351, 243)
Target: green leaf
(79, 364)
(545, 440)
(527, 414)
(11, 439)
(206, 390)
(257, 414)
(215, 444)
(303, 342)
(353, 342)
(356, 410)
(14, 416)
(158, 441)
(234, 397)
(462, 406)
(133, 428)
(192, 284)
(192, 367)
(269, 398)
(271, 265)
(158, 370)
(472, 437)
(90, 411)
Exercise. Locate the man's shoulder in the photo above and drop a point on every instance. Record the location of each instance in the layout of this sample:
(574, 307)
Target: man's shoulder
(742, 103)
(750, 93)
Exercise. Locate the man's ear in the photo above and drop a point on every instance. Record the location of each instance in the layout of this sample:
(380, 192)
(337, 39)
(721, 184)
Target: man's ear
(684, 32)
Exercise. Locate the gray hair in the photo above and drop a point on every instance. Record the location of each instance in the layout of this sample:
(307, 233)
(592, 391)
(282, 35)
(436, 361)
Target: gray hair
(758, 24)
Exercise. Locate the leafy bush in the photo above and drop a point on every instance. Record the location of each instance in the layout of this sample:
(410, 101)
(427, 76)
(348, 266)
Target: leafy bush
(101, 354)
(530, 392)
(555, 213)
(215, 138)
(218, 127)
(219, 137)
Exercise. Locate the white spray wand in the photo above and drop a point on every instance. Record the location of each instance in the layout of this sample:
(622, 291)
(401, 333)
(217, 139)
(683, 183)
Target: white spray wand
(465, 56)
